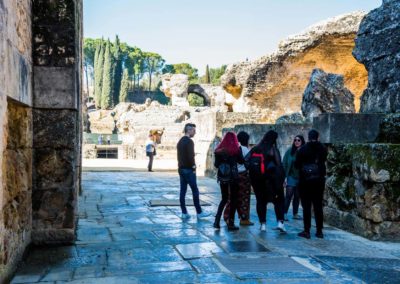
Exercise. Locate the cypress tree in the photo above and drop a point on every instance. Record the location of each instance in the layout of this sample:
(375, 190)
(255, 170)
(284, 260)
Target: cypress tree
(123, 95)
(208, 79)
(117, 71)
(98, 74)
(106, 94)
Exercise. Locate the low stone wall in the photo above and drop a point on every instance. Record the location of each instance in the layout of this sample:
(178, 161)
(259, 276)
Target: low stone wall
(363, 190)
(286, 132)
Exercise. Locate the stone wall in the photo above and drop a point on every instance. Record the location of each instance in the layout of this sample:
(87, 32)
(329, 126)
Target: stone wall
(57, 37)
(15, 132)
(363, 189)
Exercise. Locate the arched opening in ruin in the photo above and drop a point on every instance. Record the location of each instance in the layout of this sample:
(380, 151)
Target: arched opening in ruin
(198, 90)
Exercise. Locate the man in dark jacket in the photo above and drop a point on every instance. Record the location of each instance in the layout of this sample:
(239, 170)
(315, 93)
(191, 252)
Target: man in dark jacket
(310, 161)
(187, 171)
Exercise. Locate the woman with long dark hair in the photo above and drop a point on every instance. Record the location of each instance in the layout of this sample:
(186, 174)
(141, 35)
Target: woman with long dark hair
(292, 177)
(227, 155)
(268, 182)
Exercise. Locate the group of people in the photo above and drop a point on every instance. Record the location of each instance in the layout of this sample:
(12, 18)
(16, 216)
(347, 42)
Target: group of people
(299, 176)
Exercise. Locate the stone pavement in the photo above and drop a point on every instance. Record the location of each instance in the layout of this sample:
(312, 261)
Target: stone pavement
(123, 240)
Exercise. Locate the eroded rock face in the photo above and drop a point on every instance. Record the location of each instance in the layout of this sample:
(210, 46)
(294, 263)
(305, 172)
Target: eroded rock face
(275, 83)
(378, 48)
(362, 189)
(326, 93)
(175, 86)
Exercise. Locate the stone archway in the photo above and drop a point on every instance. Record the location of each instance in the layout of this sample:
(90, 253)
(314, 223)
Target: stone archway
(199, 90)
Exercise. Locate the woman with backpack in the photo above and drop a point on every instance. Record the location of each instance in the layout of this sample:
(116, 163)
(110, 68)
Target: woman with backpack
(244, 193)
(267, 177)
(227, 155)
(292, 177)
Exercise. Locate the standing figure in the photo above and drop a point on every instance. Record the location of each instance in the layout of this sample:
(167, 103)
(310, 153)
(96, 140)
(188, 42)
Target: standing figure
(150, 152)
(187, 171)
(267, 177)
(108, 140)
(310, 161)
(292, 177)
(244, 193)
(227, 156)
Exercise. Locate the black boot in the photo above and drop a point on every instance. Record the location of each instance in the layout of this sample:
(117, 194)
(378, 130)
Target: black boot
(216, 222)
(231, 226)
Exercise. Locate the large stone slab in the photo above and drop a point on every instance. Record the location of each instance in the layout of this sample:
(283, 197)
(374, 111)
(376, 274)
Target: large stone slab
(55, 88)
(55, 128)
(347, 128)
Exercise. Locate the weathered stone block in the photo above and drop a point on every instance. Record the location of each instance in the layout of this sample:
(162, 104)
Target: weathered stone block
(19, 127)
(390, 129)
(54, 33)
(326, 93)
(55, 129)
(53, 208)
(53, 168)
(347, 128)
(363, 189)
(55, 88)
(17, 75)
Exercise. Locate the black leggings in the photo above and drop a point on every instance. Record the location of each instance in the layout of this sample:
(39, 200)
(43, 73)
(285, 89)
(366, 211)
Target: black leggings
(229, 192)
(263, 190)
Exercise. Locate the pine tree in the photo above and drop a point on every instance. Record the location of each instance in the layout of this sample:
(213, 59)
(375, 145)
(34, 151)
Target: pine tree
(98, 74)
(208, 79)
(106, 94)
(123, 95)
(117, 71)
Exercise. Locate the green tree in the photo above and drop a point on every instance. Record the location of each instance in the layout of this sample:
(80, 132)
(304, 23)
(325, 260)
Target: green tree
(153, 63)
(98, 73)
(118, 61)
(106, 94)
(123, 95)
(89, 54)
(207, 76)
(182, 68)
(216, 73)
(195, 100)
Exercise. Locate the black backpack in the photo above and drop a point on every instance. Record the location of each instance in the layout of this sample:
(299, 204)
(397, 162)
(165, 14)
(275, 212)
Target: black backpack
(311, 171)
(224, 172)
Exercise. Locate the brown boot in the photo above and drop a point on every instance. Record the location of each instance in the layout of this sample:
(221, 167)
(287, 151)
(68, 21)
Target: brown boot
(246, 223)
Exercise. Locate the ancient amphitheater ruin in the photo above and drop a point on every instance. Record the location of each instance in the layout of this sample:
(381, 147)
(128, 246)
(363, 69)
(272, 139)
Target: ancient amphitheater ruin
(332, 77)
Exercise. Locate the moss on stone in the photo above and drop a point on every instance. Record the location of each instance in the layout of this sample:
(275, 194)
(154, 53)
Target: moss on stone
(389, 129)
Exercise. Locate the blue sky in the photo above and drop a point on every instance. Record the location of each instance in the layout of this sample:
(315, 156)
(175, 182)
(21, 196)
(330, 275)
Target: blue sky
(213, 32)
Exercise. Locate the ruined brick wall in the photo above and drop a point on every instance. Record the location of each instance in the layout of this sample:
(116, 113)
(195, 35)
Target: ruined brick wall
(57, 37)
(15, 132)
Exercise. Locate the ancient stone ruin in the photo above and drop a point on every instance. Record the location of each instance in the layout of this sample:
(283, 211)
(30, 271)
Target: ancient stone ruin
(326, 93)
(275, 83)
(377, 47)
(41, 122)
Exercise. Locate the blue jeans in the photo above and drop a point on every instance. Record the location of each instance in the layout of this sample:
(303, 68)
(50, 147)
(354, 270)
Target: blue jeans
(188, 176)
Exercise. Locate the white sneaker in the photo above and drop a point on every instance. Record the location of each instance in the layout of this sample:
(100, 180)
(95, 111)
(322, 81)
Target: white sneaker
(281, 227)
(263, 228)
(203, 215)
(185, 216)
